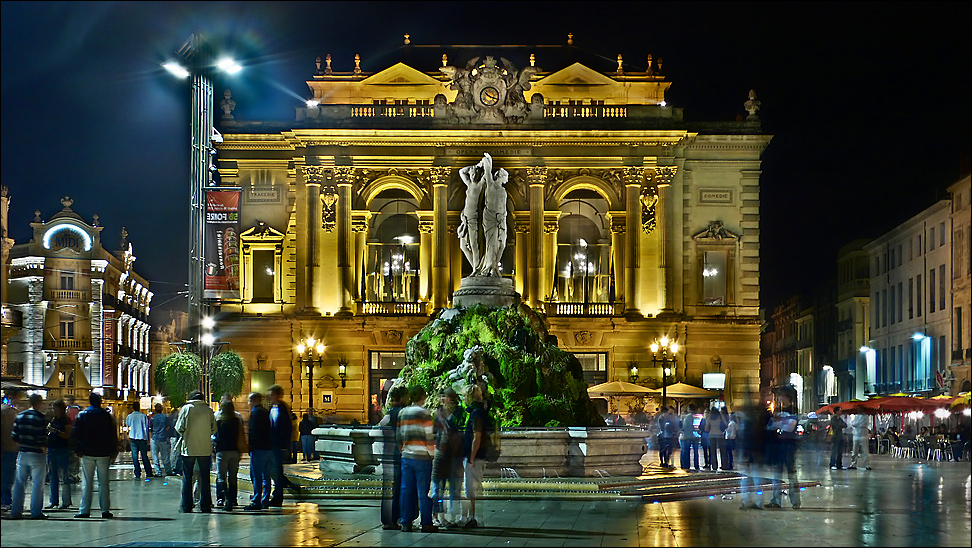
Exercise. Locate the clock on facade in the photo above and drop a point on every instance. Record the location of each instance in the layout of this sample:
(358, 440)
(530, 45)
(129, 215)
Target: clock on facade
(489, 96)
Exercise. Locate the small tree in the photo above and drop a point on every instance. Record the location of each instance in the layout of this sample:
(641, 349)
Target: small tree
(226, 374)
(183, 373)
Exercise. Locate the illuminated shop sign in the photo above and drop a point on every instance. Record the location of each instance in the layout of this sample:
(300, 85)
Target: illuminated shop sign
(61, 236)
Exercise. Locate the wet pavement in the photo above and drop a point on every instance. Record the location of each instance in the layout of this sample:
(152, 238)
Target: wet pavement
(901, 502)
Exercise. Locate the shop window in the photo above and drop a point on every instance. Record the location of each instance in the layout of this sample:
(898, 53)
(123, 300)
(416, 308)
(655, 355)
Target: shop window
(594, 365)
(262, 264)
(261, 381)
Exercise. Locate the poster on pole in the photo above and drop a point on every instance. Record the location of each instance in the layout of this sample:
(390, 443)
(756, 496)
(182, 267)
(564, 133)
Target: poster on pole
(108, 348)
(222, 264)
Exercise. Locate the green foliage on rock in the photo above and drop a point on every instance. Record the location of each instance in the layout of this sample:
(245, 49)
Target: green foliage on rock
(529, 380)
(226, 374)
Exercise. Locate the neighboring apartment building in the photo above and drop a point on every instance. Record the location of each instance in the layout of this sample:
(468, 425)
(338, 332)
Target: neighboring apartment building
(961, 355)
(85, 311)
(853, 306)
(911, 297)
(11, 319)
(625, 221)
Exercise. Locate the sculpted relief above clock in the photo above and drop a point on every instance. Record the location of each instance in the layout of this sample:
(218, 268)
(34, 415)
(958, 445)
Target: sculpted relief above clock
(489, 93)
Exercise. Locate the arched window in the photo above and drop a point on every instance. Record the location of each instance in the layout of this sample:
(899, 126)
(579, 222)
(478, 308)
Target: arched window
(393, 248)
(583, 261)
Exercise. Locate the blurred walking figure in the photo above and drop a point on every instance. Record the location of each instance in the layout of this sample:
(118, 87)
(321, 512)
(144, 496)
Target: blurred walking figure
(59, 456)
(716, 427)
(95, 440)
(752, 436)
(161, 431)
(860, 432)
(664, 438)
(391, 509)
(229, 434)
(72, 415)
(305, 429)
(138, 437)
(474, 448)
(784, 425)
(418, 448)
(732, 428)
(281, 436)
(689, 439)
(197, 425)
(837, 426)
(261, 448)
(8, 459)
(447, 463)
(30, 431)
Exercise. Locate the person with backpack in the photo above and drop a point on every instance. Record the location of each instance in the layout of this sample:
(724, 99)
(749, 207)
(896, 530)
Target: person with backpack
(447, 463)
(391, 509)
(475, 444)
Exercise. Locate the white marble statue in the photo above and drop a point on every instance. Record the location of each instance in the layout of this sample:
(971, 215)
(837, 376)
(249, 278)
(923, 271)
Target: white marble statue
(475, 179)
(494, 222)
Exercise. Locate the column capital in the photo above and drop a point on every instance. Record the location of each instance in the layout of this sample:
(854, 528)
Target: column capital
(537, 175)
(551, 226)
(663, 175)
(425, 226)
(439, 176)
(314, 174)
(633, 176)
(344, 175)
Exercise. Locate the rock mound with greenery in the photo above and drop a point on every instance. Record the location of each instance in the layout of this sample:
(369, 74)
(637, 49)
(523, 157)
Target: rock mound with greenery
(527, 379)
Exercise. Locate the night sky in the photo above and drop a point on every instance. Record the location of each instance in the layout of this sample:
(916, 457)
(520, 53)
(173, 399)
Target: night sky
(869, 103)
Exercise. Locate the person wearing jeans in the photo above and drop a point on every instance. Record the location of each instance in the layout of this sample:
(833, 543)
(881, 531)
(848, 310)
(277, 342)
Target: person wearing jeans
(689, 439)
(197, 425)
(95, 440)
(261, 449)
(138, 437)
(10, 448)
(229, 425)
(59, 455)
(161, 431)
(281, 434)
(30, 431)
(418, 447)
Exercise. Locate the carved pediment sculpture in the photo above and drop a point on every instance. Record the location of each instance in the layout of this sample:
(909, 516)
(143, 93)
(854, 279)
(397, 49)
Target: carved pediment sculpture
(488, 93)
(583, 338)
(716, 231)
(392, 336)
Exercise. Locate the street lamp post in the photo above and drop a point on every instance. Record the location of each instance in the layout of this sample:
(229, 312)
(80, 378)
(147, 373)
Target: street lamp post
(310, 352)
(664, 347)
(197, 64)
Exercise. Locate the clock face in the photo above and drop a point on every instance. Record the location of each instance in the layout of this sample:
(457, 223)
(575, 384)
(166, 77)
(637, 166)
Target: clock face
(489, 96)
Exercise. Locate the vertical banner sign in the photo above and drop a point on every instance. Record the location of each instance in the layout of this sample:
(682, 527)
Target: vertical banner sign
(108, 348)
(222, 244)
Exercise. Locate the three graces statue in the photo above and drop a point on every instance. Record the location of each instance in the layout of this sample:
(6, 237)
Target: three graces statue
(493, 220)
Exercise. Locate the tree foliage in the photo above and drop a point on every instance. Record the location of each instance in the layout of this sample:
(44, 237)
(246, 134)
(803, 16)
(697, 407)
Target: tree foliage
(226, 374)
(180, 372)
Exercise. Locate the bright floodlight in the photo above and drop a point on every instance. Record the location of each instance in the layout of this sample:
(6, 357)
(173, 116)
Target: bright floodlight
(229, 65)
(664, 340)
(663, 103)
(918, 336)
(208, 322)
(312, 103)
(301, 348)
(654, 347)
(864, 349)
(207, 339)
(310, 341)
(176, 69)
(674, 347)
(320, 348)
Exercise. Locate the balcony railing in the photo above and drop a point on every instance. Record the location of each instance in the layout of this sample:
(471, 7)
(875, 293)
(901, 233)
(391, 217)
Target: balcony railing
(583, 309)
(392, 111)
(585, 111)
(393, 308)
(12, 369)
(67, 295)
(68, 344)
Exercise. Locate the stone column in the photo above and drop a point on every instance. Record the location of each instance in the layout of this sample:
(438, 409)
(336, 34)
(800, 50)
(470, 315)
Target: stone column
(309, 220)
(663, 179)
(617, 219)
(521, 227)
(633, 178)
(551, 226)
(359, 227)
(344, 176)
(440, 233)
(426, 223)
(537, 178)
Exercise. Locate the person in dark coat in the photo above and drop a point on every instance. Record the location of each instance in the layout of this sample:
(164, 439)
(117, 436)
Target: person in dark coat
(95, 439)
(391, 508)
(837, 426)
(281, 433)
(261, 448)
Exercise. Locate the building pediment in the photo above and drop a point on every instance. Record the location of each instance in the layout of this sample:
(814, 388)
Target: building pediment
(576, 75)
(716, 233)
(400, 74)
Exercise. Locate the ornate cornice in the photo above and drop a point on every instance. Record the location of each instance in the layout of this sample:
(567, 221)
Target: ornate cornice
(315, 174)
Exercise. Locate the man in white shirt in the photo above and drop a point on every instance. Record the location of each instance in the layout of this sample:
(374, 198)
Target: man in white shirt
(731, 430)
(858, 426)
(138, 437)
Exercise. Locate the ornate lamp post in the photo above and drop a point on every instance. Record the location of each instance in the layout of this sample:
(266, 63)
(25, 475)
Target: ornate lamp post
(197, 64)
(660, 350)
(310, 352)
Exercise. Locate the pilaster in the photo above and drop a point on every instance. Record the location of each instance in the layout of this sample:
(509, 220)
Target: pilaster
(537, 179)
(441, 292)
(633, 179)
(344, 178)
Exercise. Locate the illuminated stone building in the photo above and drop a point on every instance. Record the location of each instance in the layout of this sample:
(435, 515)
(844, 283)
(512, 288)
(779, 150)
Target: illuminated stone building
(961, 218)
(85, 310)
(626, 221)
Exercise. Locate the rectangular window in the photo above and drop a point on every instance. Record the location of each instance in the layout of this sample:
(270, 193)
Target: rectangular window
(67, 328)
(67, 280)
(918, 294)
(941, 233)
(875, 309)
(931, 291)
(892, 369)
(891, 305)
(384, 367)
(594, 365)
(942, 354)
(260, 381)
(884, 308)
(900, 302)
(941, 287)
(714, 278)
(911, 298)
(900, 372)
(891, 262)
(900, 254)
(263, 275)
(957, 338)
(931, 239)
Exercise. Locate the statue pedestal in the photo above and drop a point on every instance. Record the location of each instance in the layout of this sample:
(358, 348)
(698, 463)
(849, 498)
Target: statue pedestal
(485, 290)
